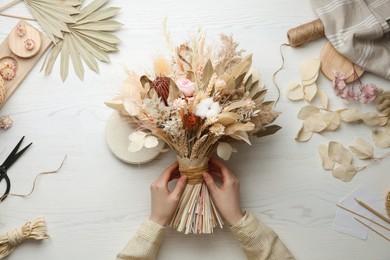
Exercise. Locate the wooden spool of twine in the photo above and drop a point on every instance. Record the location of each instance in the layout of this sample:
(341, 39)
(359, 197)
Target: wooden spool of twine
(388, 203)
(305, 33)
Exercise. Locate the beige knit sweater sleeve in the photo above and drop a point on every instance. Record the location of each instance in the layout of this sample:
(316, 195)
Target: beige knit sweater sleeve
(145, 244)
(257, 240)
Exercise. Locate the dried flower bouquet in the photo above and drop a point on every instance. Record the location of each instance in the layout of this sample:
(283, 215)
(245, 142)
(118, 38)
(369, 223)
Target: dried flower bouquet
(201, 101)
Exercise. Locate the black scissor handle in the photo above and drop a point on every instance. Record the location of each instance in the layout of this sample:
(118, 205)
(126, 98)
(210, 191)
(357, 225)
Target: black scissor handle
(3, 175)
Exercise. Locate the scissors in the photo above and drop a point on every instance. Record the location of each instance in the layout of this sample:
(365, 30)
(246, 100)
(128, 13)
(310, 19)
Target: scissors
(12, 157)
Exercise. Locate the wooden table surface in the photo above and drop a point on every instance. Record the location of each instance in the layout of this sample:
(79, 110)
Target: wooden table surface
(95, 204)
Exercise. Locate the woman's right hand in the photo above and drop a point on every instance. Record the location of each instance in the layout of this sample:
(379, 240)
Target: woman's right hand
(227, 196)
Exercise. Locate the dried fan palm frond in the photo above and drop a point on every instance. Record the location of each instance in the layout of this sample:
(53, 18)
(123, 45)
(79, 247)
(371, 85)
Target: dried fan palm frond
(53, 15)
(88, 38)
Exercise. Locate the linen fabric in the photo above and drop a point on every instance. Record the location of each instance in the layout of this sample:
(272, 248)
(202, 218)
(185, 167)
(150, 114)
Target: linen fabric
(359, 30)
(258, 241)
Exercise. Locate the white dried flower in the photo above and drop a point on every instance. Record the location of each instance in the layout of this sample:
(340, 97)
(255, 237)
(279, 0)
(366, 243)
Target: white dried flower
(207, 108)
(217, 129)
(5, 122)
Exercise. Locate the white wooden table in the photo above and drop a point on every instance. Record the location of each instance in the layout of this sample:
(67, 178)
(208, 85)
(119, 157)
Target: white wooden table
(96, 202)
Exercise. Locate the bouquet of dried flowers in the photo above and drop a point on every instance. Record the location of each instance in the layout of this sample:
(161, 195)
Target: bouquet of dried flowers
(201, 101)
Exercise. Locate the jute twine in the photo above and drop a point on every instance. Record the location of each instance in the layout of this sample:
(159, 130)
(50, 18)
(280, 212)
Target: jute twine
(193, 169)
(35, 229)
(388, 203)
(305, 33)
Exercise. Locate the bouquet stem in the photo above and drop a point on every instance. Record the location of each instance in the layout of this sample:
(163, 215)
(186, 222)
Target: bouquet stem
(196, 212)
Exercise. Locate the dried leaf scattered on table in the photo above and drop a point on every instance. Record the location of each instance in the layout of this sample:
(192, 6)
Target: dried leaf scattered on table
(307, 111)
(381, 137)
(309, 71)
(351, 115)
(294, 91)
(344, 172)
(338, 153)
(323, 98)
(303, 134)
(327, 163)
(362, 149)
(309, 92)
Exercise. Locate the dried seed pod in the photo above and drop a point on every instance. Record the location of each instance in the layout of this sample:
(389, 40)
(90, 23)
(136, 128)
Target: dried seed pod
(384, 103)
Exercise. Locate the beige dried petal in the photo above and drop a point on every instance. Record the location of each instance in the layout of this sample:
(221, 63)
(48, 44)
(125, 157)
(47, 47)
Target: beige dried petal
(115, 104)
(344, 172)
(381, 137)
(309, 71)
(323, 98)
(350, 115)
(363, 150)
(303, 134)
(231, 129)
(315, 123)
(327, 163)
(374, 119)
(338, 153)
(241, 135)
(309, 92)
(150, 141)
(227, 118)
(294, 91)
(224, 150)
(307, 111)
(333, 120)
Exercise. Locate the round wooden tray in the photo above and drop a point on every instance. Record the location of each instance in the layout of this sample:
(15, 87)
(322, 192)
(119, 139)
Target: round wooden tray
(17, 45)
(117, 138)
(331, 59)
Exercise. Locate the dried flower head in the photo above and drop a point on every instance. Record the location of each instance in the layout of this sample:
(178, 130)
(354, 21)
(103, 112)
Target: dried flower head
(191, 122)
(161, 84)
(5, 122)
(208, 108)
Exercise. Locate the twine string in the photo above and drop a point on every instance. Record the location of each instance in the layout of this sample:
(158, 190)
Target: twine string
(34, 183)
(305, 33)
(194, 175)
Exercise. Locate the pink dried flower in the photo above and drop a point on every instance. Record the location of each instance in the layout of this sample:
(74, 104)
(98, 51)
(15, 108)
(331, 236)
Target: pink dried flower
(368, 93)
(186, 86)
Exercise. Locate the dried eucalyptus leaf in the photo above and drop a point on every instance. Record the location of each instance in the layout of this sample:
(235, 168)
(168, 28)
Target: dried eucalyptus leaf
(351, 115)
(237, 127)
(268, 130)
(363, 150)
(344, 172)
(208, 72)
(374, 119)
(315, 123)
(381, 137)
(242, 136)
(307, 111)
(323, 98)
(294, 91)
(333, 120)
(327, 163)
(151, 141)
(309, 71)
(303, 134)
(224, 150)
(338, 153)
(227, 118)
(309, 92)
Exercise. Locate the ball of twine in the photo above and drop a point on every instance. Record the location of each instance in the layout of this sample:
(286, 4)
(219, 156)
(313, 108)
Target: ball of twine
(305, 33)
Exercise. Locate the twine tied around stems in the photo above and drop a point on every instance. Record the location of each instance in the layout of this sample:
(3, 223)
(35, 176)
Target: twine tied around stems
(194, 175)
(35, 229)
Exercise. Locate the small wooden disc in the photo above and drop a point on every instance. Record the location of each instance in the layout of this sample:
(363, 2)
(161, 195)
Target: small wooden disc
(17, 43)
(117, 138)
(332, 60)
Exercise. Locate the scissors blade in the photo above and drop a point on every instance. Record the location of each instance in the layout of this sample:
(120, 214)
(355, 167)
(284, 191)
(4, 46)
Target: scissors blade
(13, 156)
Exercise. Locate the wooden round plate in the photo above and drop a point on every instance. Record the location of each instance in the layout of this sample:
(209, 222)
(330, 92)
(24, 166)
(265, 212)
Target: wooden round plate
(331, 59)
(17, 43)
(117, 138)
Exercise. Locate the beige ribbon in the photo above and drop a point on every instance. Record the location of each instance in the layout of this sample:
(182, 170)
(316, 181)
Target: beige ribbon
(35, 229)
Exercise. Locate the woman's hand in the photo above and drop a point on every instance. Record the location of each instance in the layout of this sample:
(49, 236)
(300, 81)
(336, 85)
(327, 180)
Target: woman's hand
(164, 202)
(226, 197)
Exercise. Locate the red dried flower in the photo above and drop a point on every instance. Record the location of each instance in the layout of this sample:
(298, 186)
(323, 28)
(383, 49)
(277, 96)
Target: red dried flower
(161, 85)
(191, 122)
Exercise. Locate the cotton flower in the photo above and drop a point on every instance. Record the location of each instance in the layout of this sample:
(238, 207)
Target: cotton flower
(186, 86)
(207, 108)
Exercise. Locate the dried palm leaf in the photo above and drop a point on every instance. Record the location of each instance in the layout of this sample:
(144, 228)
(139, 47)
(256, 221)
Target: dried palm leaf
(53, 15)
(87, 39)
